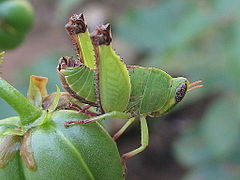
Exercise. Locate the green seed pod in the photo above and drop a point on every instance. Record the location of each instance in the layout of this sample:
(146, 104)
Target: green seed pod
(52, 151)
(35, 145)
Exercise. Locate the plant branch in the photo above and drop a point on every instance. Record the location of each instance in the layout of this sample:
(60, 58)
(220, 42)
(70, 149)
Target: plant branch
(27, 112)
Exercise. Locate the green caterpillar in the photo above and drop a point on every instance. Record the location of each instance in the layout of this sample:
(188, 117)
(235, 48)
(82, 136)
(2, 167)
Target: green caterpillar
(101, 79)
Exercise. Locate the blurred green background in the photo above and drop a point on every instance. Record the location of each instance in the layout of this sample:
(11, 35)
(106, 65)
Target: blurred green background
(198, 39)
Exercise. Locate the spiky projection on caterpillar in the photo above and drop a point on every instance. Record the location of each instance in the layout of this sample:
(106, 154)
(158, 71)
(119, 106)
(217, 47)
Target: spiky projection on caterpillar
(101, 79)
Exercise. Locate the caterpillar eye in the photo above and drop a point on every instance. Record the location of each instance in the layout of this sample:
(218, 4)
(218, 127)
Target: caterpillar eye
(180, 92)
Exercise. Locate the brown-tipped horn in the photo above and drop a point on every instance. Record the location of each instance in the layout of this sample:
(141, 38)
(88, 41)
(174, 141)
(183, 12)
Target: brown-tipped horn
(82, 16)
(66, 62)
(102, 35)
(107, 27)
(76, 24)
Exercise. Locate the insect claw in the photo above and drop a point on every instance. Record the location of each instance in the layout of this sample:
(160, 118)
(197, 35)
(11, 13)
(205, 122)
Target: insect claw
(67, 124)
(123, 162)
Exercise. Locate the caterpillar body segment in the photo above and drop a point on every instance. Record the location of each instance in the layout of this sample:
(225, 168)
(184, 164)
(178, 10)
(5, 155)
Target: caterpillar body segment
(78, 80)
(80, 36)
(113, 81)
(147, 94)
(101, 79)
(150, 89)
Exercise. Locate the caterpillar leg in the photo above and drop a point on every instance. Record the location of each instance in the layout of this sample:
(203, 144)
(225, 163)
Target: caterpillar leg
(144, 143)
(125, 126)
(114, 114)
(144, 139)
(82, 109)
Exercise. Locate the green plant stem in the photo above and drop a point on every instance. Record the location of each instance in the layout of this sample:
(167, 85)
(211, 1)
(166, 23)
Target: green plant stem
(27, 112)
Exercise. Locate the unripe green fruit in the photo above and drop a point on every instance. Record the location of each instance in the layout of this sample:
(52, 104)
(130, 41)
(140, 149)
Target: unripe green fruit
(10, 40)
(16, 18)
(75, 153)
(37, 146)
